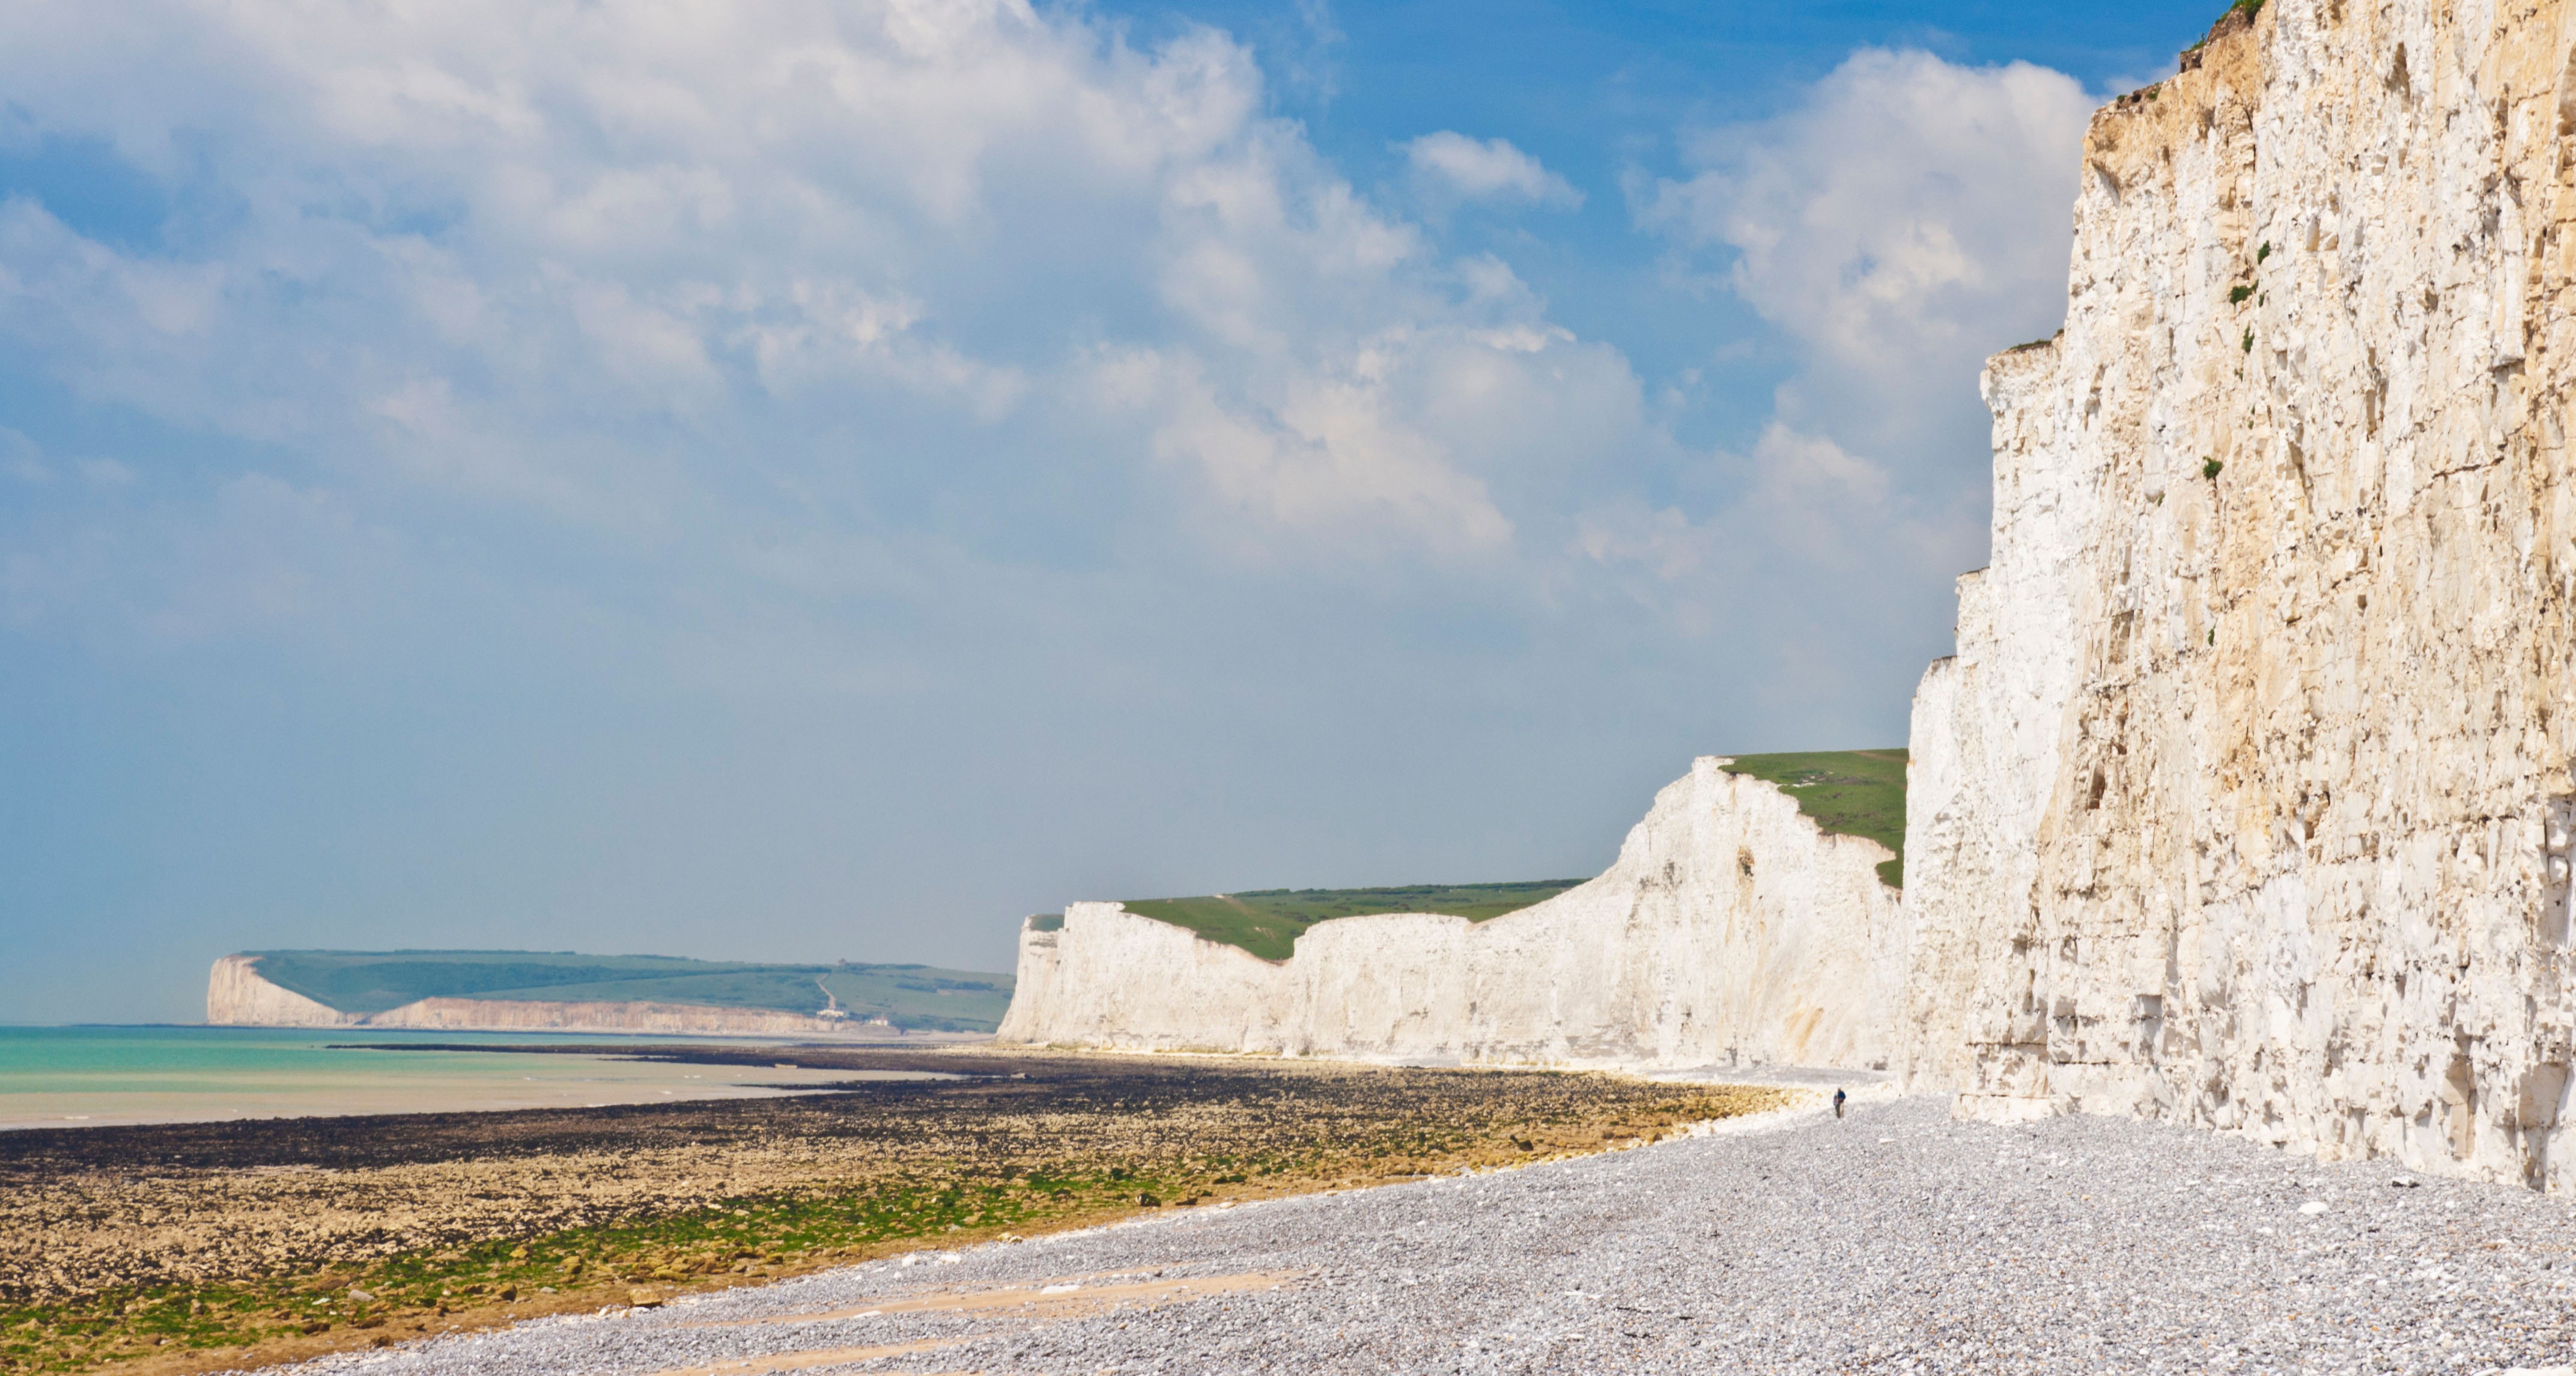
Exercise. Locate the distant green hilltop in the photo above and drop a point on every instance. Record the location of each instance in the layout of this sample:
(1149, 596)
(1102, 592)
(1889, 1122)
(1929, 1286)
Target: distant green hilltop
(1847, 792)
(1267, 922)
(919, 998)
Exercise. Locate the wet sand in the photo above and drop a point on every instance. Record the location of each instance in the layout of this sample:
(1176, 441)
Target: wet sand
(397, 1085)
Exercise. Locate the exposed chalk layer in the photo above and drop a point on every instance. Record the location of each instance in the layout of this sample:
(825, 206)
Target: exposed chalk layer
(2246, 801)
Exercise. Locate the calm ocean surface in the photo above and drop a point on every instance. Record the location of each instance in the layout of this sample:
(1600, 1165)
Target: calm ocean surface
(97, 1076)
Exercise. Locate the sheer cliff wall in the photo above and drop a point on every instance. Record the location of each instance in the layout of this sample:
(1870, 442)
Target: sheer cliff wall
(2246, 800)
(1730, 929)
(238, 995)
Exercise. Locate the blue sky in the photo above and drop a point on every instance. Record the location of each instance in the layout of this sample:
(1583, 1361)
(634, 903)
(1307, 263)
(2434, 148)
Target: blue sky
(818, 481)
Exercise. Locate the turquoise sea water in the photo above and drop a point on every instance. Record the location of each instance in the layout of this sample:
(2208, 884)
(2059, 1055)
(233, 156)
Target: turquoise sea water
(95, 1076)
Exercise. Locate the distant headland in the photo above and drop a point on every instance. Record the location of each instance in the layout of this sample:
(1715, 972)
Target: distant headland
(564, 991)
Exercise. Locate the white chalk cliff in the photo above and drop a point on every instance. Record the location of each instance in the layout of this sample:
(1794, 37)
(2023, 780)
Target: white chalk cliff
(238, 995)
(2246, 801)
(1730, 930)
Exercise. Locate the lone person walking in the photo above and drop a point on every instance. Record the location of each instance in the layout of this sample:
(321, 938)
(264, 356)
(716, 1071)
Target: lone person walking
(1838, 1103)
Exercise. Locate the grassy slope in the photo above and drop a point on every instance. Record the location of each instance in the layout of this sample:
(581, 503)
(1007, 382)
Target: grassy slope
(914, 996)
(1849, 792)
(1267, 922)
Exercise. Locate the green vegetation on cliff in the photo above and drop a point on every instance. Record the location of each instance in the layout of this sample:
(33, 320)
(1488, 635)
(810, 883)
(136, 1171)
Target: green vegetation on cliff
(1848, 792)
(919, 997)
(1267, 922)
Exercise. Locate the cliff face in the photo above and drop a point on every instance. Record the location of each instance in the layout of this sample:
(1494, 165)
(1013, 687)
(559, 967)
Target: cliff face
(1729, 930)
(2246, 801)
(237, 995)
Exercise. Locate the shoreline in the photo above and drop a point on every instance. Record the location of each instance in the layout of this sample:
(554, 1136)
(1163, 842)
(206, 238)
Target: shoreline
(193, 1247)
(138, 1076)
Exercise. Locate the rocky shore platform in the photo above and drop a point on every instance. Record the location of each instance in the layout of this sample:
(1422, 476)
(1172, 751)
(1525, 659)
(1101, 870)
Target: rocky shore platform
(1896, 1239)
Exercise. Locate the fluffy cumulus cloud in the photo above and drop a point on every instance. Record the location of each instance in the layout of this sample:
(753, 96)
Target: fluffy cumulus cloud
(501, 249)
(1908, 218)
(1450, 165)
(697, 278)
(1905, 219)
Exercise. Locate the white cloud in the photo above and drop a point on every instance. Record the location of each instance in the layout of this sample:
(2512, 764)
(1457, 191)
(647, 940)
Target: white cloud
(817, 318)
(1416, 440)
(477, 243)
(652, 274)
(1908, 218)
(1327, 455)
(1815, 554)
(1452, 165)
(1807, 502)
(1902, 220)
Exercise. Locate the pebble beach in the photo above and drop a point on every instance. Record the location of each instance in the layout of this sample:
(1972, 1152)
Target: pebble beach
(1892, 1240)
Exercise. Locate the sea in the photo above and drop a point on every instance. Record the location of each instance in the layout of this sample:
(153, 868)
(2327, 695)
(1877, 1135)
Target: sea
(71, 1077)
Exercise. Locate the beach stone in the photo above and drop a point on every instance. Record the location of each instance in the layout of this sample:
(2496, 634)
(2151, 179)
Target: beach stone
(1900, 1239)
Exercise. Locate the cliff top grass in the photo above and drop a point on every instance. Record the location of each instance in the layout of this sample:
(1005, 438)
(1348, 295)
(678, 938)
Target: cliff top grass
(917, 997)
(1847, 792)
(2237, 15)
(1267, 922)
